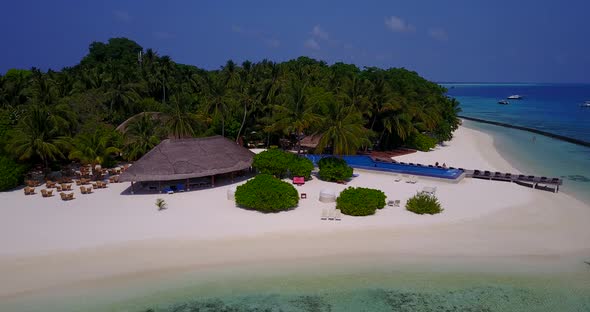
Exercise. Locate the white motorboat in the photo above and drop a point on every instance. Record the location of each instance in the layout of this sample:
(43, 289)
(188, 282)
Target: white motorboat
(585, 104)
(515, 97)
(503, 102)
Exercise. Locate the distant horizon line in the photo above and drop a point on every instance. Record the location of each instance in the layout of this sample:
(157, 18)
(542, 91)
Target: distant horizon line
(509, 83)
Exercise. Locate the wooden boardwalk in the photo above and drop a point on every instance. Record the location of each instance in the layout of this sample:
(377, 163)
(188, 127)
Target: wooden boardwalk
(541, 183)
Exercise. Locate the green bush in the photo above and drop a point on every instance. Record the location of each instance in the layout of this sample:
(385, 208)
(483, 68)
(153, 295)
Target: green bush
(11, 173)
(424, 204)
(300, 167)
(334, 169)
(359, 201)
(266, 193)
(280, 164)
(421, 142)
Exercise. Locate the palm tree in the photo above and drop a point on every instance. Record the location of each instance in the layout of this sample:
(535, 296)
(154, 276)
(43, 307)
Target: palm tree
(297, 114)
(142, 136)
(43, 88)
(164, 70)
(37, 137)
(343, 130)
(178, 120)
(217, 101)
(94, 147)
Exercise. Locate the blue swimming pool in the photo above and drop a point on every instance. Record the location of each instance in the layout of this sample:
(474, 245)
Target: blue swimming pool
(367, 163)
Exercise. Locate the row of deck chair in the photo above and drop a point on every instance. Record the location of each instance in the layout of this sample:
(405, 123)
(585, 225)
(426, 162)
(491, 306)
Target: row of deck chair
(331, 214)
(408, 178)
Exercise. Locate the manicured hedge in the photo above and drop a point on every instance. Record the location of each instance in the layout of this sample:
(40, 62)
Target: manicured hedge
(359, 201)
(11, 173)
(424, 204)
(421, 142)
(282, 164)
(334, 169)
(266, 193)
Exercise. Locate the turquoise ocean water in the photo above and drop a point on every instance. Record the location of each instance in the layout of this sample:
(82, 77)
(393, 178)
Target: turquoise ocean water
(553, 108)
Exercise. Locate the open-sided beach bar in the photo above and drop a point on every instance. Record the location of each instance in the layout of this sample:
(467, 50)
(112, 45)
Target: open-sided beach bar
(187, 163)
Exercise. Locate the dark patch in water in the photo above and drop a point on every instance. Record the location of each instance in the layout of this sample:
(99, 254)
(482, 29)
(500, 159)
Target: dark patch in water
(311, 304)
(578, 178)
(477, 299)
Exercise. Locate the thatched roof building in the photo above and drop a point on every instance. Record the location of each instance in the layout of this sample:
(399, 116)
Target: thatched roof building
(179, 159)
(311, 141)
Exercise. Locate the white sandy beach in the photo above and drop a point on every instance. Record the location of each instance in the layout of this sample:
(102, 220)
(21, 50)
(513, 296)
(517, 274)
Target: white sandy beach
(105, 237)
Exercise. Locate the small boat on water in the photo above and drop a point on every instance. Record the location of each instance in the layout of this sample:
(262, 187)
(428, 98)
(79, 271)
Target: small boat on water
(515, 97)
(503, 102)
(585, 104)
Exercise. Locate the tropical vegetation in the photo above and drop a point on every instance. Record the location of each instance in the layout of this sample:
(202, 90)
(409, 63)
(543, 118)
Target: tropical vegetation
(47, 118)
(424, 204)
(282, 164)
(266, 193)
(334, 169)
(360, 201)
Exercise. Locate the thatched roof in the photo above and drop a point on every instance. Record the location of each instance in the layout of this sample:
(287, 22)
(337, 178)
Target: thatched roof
(176, 159)
(311, 141)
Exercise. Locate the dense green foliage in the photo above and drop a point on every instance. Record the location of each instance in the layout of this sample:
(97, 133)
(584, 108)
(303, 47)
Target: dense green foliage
(282, 164)
(43, 114)
(266, 193)
(421, 142)
(301, 167)
(359, 201)
(334, 169)
(424, 204)
(10, 173)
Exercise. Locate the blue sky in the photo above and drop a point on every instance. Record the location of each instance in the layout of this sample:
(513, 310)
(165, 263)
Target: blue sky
(452, 40)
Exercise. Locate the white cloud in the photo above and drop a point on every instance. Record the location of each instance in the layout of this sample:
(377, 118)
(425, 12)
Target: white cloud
(122, 16)
(311, 44)
(161, 35)
(438, 34)
(318, 32)
(397, 24)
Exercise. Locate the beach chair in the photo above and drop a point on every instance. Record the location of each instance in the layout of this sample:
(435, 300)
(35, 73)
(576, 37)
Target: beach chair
(168, 190)
(429, 190)
(180, 187)
(29, 190)
(337, 215)
(390, 203)
(331, 214)
(414, 179)
(298, 181)
(83, 190)
(59, 187)
(63, 196)
(68, 187)
(406, 178)
(324, 215)
(396, 203)
(70, 196)
(397, 177)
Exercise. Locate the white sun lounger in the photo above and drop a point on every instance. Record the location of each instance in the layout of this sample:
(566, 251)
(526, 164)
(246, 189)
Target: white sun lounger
(397, 177)
(338, 215)
(406, 178)
(414, 179)
(429, 190)
(324, 214)
(331, 214)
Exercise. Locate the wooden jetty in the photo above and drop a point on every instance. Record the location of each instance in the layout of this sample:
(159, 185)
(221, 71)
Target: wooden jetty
(541, 183)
